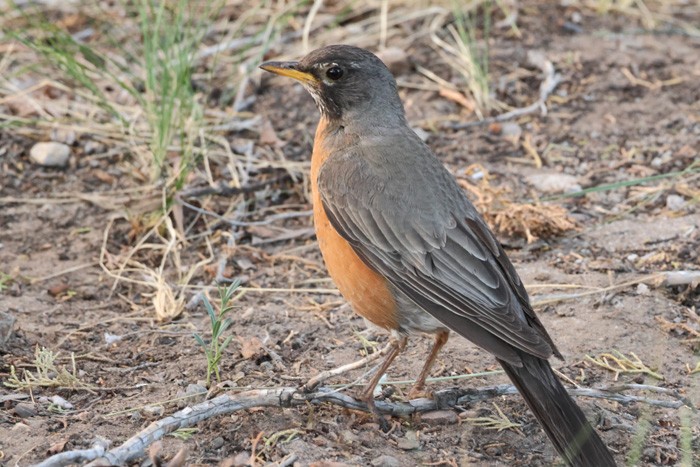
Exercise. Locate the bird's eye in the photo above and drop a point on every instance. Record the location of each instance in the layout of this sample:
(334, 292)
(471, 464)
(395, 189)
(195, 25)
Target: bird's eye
(334, 73)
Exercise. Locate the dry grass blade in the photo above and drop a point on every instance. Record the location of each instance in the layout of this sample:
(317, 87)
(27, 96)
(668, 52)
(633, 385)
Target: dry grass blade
(462, 52)
(619, 364)
(514, 219)
(498, 422)
(47, 374)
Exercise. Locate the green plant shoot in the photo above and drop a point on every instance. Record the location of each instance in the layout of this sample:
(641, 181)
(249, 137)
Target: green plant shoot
(219, 323)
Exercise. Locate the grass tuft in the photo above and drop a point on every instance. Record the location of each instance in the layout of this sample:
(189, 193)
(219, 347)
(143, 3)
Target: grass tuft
(47, 374)
(497, 422)
(621, 364)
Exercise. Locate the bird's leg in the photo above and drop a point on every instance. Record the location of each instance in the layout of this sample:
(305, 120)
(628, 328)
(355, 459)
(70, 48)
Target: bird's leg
(324, 375)
(367, 394)
(417, 389)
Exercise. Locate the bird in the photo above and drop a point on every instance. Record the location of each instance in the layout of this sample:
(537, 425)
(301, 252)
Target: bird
(408, 250)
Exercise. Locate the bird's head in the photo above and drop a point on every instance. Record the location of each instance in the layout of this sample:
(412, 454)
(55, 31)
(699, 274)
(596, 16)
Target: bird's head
(346, 82)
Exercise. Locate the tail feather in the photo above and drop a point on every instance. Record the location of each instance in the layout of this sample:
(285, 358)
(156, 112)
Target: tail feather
(562, 420)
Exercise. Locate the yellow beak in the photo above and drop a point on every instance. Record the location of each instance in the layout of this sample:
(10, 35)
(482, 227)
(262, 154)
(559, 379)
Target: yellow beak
(290, 69)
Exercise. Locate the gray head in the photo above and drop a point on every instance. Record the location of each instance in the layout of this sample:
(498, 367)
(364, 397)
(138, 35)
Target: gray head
(347, 83)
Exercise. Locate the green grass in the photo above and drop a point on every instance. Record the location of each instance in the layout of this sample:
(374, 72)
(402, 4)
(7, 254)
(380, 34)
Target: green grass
(156, 70)
(636, 450)
(691, 169)
(685, 442)
(474, 53)
(171, 36)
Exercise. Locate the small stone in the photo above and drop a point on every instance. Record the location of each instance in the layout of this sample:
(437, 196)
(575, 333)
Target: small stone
(196, 390)
(111, 338)
(385, 461)
(217, 442)
(409, 442)
(511, 131)
(395, 59)
(25, 410)
(244, 264)
(632, 257)
(553, 182)
(50, 154)
(193, 394)
(439, 417)
(675, 202)
(642, 289)
(61, 402)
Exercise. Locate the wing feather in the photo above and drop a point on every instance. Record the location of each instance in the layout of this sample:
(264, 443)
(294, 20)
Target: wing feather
(432, 245)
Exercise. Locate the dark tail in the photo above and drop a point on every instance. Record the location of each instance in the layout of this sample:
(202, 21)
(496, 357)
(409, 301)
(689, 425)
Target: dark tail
(562, 420)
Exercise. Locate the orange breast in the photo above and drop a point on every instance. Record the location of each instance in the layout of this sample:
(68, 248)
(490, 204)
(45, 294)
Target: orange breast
(368, 292)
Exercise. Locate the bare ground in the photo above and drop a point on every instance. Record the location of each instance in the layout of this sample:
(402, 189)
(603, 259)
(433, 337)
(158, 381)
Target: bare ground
(602, 127)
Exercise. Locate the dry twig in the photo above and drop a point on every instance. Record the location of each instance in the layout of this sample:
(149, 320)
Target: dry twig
(136, 446)
(549, 83)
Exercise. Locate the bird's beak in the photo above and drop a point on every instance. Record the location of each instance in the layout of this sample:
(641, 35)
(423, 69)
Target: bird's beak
(290, 69)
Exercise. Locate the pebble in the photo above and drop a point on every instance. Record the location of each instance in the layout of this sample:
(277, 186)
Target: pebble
(395, 59)
(111, 338)
(217, 442)
(642, 289)
(193, 394)
(50, 154)
(25, 410)
(675, 202)
(553, 182)
(61, 402)
(385, 461)
(409, 442)
(439, 417)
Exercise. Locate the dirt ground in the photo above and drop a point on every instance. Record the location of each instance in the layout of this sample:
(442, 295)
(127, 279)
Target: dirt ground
(627, 107)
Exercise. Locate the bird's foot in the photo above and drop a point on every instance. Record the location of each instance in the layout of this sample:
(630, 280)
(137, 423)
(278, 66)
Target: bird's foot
(380, 419)
(419, 392)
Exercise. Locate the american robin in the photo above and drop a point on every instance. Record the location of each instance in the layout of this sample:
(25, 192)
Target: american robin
(409, 251)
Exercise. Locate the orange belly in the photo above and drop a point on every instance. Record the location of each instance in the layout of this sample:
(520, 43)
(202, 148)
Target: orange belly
(368, 292)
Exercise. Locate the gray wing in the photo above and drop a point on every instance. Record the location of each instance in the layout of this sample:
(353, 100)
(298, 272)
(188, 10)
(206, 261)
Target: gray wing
(414, 225)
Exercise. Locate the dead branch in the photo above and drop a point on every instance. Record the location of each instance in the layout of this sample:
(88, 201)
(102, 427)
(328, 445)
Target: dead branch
(136, 446)
(549, 83)
(80, 455)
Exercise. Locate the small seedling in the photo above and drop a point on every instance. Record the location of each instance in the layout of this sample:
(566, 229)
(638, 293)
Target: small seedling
(184, 433)
(214, 350)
